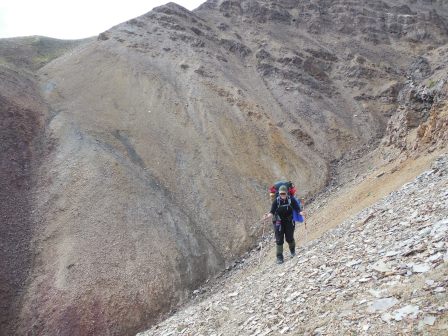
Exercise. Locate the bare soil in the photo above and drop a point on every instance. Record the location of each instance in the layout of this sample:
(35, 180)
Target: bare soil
(362, 192)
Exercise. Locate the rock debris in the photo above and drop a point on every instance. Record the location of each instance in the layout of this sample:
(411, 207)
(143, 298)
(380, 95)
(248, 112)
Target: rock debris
(387, 275)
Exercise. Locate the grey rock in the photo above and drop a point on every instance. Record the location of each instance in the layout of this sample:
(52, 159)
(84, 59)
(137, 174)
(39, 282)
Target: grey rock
(435, 257)
(382, 305)
(409, 311)
(429, 320)
(391, 253)
(375, 293)
(380, 266)
(354, 263)
(429, 282)
(421, 268)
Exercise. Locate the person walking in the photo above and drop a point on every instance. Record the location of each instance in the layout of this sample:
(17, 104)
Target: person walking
(282, 219)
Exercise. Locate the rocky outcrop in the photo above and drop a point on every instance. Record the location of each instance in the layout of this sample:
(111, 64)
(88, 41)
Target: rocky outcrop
(434, 132)
(420, 121)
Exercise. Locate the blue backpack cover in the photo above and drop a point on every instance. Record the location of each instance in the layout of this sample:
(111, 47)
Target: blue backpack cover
(296, 217)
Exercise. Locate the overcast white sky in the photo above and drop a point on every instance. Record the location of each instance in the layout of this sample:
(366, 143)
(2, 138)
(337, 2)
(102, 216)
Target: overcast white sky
(72, 19)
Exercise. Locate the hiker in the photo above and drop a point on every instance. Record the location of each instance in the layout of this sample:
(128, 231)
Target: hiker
(282, 214)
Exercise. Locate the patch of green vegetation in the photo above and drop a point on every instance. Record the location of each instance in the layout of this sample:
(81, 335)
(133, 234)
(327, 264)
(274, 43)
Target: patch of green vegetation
(40, 60)
(431, 84)
(33, 52)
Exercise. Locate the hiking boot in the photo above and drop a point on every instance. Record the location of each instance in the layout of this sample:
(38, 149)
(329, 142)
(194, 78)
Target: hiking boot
(292, 248)
(279, 254)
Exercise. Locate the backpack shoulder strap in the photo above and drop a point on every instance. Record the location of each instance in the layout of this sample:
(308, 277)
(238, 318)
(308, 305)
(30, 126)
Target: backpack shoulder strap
(278, 201)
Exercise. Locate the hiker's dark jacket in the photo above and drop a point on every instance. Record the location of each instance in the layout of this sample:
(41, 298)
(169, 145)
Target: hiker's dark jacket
(283, 209)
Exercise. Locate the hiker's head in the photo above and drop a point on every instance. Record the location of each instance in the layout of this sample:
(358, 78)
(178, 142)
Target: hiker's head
(283, 191)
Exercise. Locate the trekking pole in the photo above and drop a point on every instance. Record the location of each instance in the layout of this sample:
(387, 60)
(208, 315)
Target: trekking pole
(304, 223)
(306, 231)
(261, 243)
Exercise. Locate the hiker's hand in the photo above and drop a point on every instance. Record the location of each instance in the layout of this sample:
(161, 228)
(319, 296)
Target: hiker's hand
(267, 215)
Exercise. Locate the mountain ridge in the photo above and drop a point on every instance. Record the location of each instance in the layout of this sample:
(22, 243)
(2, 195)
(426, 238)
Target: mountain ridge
(151, 139)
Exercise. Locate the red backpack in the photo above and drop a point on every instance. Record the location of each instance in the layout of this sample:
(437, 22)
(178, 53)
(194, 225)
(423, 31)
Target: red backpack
(273, 190)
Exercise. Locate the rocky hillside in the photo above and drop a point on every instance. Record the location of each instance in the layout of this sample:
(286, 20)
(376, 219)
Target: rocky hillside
(136, 165)
(22, 120)
(382, 271)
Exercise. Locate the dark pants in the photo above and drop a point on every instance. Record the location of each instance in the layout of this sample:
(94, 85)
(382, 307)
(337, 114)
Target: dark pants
(285, 231)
